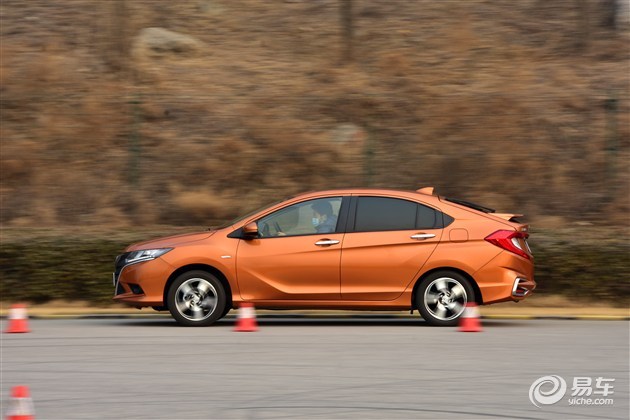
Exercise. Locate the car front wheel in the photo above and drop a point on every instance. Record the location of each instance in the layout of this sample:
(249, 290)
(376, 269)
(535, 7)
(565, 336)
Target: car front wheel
(442, 297)
(196, 298)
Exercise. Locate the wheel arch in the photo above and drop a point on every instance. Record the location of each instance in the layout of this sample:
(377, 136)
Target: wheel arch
(473, 283)
(201, 267)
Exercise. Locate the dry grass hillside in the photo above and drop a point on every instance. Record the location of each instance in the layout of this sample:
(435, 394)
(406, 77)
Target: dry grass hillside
(520, 105)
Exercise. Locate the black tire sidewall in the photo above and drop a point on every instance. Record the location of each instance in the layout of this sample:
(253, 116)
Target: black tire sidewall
(218, 310)
(421, 305)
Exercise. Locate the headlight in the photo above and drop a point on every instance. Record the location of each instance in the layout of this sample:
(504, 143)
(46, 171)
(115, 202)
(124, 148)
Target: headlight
(145, 255)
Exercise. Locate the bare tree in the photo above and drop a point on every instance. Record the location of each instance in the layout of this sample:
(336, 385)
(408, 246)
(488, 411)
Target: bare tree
(583, 29)
(347, 25)
(610, 14)
(118, 37)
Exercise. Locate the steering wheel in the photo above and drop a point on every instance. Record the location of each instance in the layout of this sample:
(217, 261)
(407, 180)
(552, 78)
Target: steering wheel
(278, 228)
(265, 230)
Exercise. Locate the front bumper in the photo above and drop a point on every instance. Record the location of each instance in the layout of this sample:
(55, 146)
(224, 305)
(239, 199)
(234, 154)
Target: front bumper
(141, 284)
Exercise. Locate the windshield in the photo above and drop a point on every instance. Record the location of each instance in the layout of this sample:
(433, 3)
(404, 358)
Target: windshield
(245, 216)
(468, 204)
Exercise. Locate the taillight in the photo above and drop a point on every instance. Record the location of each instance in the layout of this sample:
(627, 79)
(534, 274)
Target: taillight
(509, 240)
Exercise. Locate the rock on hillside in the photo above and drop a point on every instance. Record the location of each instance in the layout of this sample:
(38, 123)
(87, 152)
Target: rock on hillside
(152, 42)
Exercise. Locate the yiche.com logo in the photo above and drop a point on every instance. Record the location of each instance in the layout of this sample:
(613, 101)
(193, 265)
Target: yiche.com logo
(547, 390)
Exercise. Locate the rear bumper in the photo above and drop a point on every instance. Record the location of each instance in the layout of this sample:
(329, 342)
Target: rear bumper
(507, 277)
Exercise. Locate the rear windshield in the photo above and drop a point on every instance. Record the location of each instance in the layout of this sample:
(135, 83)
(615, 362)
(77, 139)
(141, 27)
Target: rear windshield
(468, 204)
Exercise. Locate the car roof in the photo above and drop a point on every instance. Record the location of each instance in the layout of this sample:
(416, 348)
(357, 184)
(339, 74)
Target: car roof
(425, 193)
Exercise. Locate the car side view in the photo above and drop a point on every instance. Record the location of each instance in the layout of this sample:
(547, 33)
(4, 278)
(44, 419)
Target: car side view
(354, 249)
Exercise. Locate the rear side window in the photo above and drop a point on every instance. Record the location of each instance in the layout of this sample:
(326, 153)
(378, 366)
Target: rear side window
(427, 218)
(380, 214)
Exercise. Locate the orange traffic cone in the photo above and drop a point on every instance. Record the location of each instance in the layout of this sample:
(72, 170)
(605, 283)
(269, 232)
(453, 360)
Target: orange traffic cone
(470, 319)
(18, 319)
(246, 321)
(20, 405)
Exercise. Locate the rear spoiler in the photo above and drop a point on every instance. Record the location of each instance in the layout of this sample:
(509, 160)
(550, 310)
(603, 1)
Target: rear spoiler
(508, 216)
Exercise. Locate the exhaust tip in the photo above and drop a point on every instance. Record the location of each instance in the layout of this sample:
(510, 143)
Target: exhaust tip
(520, 289)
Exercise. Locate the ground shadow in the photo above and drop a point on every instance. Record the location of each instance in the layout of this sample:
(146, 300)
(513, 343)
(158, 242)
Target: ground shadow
(292, 321)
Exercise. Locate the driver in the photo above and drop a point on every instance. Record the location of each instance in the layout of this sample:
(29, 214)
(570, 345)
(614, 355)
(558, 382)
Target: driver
(324, 220)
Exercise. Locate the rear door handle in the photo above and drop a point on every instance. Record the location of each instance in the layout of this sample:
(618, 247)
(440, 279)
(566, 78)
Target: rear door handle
(326, 242)
(422, 236)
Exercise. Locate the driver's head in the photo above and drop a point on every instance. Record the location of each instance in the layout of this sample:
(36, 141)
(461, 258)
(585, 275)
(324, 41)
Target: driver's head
(322, 208)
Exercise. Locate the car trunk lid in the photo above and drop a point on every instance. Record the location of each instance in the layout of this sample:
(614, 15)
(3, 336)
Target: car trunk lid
(518, 240)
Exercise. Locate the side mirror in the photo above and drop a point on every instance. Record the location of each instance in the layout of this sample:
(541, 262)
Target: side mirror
(250, 230)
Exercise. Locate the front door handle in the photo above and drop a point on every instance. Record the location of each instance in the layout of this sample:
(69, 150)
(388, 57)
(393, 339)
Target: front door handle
(326, 242)
(422, 236)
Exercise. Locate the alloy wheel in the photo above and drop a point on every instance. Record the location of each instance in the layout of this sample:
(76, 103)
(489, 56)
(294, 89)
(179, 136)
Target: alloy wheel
(196, 299)
(445, 298)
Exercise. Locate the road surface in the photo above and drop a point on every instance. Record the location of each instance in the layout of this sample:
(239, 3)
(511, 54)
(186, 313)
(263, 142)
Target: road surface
(320, 369)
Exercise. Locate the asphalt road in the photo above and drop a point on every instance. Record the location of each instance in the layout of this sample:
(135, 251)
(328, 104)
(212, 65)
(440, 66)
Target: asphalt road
(323, 369)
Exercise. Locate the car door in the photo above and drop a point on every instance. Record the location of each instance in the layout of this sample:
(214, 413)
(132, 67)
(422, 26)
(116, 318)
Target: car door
(388, 240)
(292, 259)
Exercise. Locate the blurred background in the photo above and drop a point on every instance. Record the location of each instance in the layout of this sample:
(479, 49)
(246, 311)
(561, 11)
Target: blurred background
(126, 119)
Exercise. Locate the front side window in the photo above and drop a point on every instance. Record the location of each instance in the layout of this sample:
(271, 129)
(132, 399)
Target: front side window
(381, 214)
(306, 218)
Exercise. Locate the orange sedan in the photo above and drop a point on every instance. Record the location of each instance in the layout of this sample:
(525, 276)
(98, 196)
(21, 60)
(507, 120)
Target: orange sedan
(341, 249)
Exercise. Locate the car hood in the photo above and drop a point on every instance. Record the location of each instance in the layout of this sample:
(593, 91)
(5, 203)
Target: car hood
(170, 241)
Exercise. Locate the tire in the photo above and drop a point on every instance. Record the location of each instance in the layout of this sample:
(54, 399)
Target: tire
(442, 297)
(196, 299)
(227, 310)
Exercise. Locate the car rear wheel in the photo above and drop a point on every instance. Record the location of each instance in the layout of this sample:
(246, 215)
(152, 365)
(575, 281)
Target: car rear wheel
(442, 297)
(196, 299)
